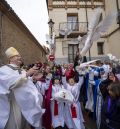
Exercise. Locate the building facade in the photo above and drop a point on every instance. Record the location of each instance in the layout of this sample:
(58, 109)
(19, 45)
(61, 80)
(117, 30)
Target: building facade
(14, 33)
(75, 15)
(113, 36)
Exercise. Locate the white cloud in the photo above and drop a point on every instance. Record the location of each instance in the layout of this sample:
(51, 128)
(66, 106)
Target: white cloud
(34, 15)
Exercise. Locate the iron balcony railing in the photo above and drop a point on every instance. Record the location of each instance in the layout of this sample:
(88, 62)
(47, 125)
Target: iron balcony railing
(75, 27)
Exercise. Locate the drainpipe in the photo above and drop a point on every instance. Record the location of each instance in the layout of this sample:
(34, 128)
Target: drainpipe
(118, 9)
(1, 16)
(117, 4)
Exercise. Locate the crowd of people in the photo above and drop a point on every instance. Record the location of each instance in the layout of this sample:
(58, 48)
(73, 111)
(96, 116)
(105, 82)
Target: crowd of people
(28, 94)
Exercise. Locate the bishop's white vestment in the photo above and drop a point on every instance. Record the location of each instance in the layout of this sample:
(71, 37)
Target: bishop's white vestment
(19, 99)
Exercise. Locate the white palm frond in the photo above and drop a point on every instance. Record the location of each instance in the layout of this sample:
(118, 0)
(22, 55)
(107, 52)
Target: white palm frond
(48, 39)
(65, 32)
(53, 38)
(95, 19)
(109, 55)
(113, 58)
(79, 38)
(95, 32)
(83, 40)
(92, 26)
(104, 26)
(87, 45)
(62, 32)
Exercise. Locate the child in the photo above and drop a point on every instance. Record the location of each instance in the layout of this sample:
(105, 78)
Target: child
(57, 107)
(73, 114)
(42, 86)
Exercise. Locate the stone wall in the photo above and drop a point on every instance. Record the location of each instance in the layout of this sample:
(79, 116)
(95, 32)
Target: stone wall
(14, 33)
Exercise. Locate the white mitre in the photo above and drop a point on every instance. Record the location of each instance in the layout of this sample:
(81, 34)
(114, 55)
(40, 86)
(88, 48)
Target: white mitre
(10, 52)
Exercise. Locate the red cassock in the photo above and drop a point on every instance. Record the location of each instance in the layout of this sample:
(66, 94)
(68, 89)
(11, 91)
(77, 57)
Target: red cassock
(47, 115)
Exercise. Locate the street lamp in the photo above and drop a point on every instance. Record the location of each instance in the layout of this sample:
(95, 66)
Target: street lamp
(51, 24)
(52, 46)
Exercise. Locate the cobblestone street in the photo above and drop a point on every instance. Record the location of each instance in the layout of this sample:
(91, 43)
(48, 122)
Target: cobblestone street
(89, 123)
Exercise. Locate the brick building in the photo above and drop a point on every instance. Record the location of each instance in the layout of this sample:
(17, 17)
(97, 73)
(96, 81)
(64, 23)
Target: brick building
(14, 33)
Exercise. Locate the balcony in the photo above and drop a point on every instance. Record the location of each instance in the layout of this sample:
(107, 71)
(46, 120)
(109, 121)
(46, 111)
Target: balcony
(77, 28)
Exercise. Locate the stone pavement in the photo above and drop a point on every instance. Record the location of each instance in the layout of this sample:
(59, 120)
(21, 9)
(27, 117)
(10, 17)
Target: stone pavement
(89, 123)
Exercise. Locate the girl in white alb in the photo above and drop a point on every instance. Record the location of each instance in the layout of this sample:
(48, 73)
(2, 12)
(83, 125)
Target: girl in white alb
(73, 114)
(57, 107)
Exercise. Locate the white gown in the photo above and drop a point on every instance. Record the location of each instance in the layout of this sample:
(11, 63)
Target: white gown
(74, 122)
(42, 87)
(98, 107)
(18, 95)
(19, 119)
(58, 118)
(91, 83)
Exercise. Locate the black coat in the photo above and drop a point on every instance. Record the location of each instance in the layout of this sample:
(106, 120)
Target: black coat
(103, 87)
(110, 114)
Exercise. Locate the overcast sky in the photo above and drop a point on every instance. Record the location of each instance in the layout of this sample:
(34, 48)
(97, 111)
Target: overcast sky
(34, 15)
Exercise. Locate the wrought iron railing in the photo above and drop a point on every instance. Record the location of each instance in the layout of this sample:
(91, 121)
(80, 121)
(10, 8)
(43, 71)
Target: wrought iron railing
(75, 27)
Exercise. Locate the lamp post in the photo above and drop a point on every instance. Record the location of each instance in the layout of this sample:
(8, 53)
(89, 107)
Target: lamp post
(51, 24)
(118, 9)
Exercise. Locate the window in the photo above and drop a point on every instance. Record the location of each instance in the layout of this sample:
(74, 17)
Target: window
(72, 49)
(100, 46)
(72, 19)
